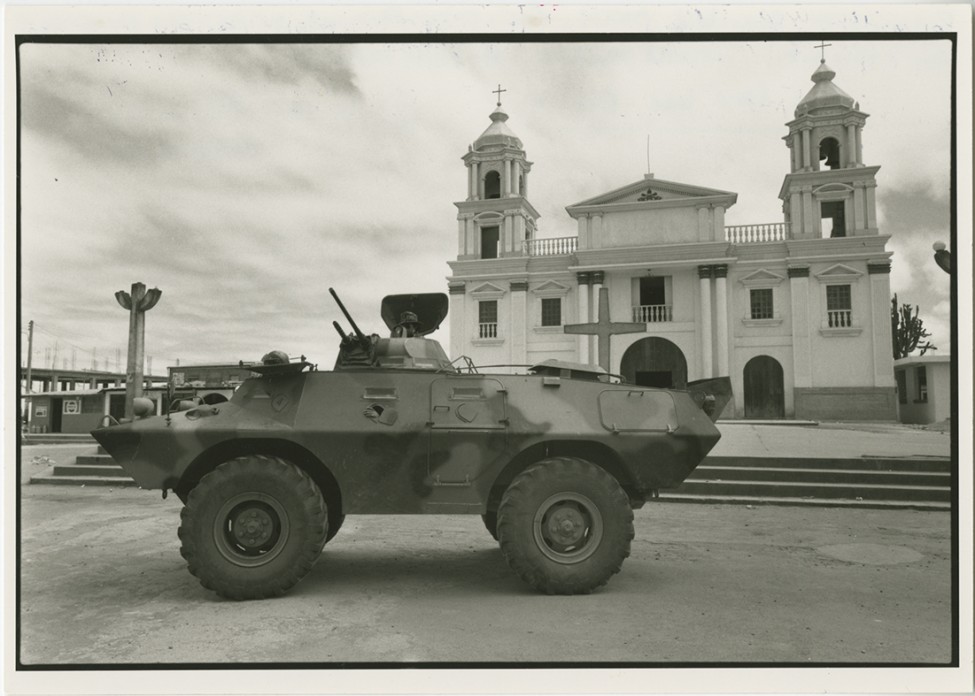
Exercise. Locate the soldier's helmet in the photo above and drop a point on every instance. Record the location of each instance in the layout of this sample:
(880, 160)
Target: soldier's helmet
(407, 318)
(275, 357)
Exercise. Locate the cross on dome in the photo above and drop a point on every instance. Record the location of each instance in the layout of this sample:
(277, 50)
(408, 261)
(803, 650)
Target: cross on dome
(498, 91)
(822, 46)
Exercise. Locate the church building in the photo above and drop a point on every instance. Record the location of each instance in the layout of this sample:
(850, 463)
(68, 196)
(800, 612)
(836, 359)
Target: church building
(796, 312)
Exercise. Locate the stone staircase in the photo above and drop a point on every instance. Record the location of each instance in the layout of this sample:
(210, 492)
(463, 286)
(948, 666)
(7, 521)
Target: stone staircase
(97, 469)
(869, 482)
(922, 483)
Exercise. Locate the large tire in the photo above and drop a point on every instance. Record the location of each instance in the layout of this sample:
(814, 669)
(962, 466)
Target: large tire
(565, 526)
(334, 525)
(253, 527)
(491, 523)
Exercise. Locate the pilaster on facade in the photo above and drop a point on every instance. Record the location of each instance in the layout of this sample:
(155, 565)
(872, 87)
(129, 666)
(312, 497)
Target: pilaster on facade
(704, 274)
(801, 334)
(721, 314)
(883, 359)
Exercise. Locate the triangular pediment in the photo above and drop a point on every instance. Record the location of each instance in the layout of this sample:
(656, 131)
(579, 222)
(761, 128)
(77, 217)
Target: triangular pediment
(551, 288)
(762, 277)
(487, 289)
(838, 271)
(652, 190)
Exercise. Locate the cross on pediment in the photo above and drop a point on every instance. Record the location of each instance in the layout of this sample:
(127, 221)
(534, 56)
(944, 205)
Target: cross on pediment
(604, 328)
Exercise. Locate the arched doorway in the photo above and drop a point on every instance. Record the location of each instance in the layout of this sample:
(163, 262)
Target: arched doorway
(764, 388)
(655, 362)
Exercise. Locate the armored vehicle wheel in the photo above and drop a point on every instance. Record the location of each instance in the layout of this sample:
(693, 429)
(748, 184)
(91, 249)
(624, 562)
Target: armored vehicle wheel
(253, 527)
(565, 526)
(491, 522)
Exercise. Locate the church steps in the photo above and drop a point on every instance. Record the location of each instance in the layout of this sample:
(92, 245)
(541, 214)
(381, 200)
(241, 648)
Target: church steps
(917, 463)
(753, 500)
(833, 475)
(817, 489)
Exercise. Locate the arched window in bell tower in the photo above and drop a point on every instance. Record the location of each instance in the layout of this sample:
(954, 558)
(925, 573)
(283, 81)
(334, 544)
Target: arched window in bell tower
(829, 150)
(492, 185)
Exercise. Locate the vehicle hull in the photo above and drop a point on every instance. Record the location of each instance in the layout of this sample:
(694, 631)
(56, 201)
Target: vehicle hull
(400, 441)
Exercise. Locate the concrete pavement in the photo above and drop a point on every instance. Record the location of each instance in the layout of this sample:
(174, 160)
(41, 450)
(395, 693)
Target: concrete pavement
(830, 440)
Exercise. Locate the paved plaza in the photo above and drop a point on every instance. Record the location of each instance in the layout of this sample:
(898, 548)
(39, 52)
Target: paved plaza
(103, 583)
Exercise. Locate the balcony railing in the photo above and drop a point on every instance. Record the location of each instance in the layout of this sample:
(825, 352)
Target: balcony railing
(839, 318)
(653, 314)
(488, 330)
(552, 246)
(756, 234)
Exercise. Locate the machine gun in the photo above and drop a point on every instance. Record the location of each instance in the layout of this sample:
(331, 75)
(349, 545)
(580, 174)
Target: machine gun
(356, 348)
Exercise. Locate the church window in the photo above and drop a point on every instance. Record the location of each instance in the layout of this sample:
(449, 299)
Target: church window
(761, 302)
(652, 291)
(489, 242)
(492, 185)
(652, 304)
(829, 150)
(922, 384)
(551, 311)
(487, 316)
(833, 216)
(839, 306)
(901, 377)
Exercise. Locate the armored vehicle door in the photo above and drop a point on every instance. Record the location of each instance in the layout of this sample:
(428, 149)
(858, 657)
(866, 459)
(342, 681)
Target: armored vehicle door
(468, 428)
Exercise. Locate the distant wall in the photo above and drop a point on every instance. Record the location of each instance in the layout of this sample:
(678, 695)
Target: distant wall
(846, 403)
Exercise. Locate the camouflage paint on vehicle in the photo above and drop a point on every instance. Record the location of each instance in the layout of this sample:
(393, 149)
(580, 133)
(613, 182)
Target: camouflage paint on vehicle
(396, 428)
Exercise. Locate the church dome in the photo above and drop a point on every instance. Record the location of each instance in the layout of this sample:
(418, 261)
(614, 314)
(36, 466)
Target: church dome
(498, 133)
(824, 94)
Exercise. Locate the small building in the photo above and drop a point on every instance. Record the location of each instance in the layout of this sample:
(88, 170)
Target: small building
(923, 388)
(79, 410)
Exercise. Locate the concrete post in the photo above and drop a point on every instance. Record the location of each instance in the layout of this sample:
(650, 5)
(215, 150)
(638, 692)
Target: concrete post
(138, 303)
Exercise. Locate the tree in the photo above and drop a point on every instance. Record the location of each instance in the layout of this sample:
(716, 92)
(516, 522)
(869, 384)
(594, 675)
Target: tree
(907, 330)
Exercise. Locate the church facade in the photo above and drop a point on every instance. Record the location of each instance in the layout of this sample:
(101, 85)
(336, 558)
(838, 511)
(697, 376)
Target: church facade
(796, 312)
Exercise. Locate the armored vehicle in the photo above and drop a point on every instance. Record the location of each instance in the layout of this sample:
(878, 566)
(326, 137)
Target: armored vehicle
(554, 459)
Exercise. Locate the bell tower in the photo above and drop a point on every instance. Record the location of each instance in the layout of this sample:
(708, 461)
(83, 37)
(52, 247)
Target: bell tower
(829, 191)
(496, 219)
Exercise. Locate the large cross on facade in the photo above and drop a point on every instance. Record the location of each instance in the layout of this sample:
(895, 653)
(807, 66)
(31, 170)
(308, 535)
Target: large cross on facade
(604, 328)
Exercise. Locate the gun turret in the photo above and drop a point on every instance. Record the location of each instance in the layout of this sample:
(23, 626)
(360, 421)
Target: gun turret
(363, 339)
(356, 349)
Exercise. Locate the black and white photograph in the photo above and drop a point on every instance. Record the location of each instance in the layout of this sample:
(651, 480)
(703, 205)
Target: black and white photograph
(492, 349)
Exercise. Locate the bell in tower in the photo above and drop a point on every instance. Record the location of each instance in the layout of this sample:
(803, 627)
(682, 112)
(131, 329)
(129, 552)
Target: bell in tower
(496, 219)
(829, 192)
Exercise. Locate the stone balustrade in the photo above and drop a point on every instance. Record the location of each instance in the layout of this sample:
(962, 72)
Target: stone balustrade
(757, 234)
(552, 246)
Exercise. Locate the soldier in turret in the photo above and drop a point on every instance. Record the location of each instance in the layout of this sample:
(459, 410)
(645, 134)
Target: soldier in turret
(407, 326)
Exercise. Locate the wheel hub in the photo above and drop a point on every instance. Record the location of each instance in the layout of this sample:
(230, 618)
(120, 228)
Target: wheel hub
(568, 527)
(250, 529)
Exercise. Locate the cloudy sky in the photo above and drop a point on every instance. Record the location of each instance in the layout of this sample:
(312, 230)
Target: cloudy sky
(244, 180)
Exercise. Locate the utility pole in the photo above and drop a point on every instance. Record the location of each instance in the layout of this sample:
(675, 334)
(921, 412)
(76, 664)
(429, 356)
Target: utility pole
(30, 351)
(138, 303)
